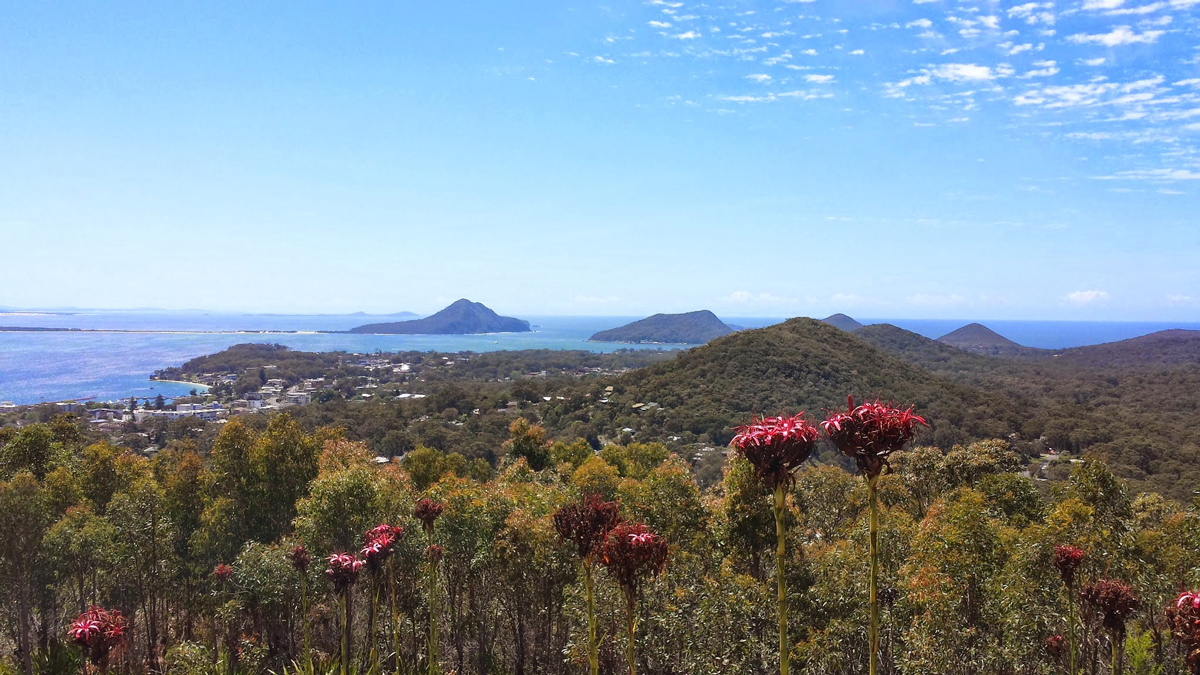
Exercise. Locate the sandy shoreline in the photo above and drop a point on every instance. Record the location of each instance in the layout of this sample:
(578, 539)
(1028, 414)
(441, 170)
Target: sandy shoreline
(197, 385)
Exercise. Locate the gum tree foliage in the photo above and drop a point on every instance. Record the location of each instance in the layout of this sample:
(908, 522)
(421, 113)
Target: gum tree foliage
(966, 558)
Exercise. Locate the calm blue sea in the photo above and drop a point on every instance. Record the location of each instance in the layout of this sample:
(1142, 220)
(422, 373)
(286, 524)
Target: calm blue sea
(37, 367)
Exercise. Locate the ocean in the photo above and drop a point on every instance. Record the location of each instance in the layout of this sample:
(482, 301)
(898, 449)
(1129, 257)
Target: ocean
(102, 366)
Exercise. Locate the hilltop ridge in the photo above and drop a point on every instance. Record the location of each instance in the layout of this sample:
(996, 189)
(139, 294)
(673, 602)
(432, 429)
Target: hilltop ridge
(687, 328)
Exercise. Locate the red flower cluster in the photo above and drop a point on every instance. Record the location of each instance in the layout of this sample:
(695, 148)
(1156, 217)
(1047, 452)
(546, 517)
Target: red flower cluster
(1113, 599)
(381, 542)
(428, 511)
(343, 570)
(776, 446)
(870, 433)
(1184, 619)
(98, 631)
(586, 524)
(631, 553)
(1056, 646)
(222, 572)
(299, 558)
(433, 553)
(1067, 559)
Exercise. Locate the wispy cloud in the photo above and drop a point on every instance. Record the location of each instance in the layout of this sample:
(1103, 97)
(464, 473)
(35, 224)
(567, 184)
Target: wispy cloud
(1121, 35)
(1082, 298)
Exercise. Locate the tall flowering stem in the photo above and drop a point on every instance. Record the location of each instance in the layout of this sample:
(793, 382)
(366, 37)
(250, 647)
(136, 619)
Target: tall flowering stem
(586, 525)
(380, 543)
(1115, 602)
(632, 554)
(342, 573)
(776, 447)
(1184, 619)
(1067, 560)
(869, 434)
(299, 558)
(98, 632)
(427, 511)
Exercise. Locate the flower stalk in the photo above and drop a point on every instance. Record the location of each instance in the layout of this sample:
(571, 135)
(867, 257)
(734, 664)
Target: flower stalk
(776, 447)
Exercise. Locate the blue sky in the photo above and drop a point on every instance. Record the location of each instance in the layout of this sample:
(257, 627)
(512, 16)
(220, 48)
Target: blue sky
(930, 159)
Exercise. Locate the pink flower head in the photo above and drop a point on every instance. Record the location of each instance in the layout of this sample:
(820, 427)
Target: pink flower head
(222, 572)
(1068, 559)
(98, 631)
(1184, 619)
(776, 446)
(299, 557)
(1189, 599)
(380, 544)
(632, 553)
(343, 570)
(871, 432)
(1056, 646)
(428, 511)
(586, 524)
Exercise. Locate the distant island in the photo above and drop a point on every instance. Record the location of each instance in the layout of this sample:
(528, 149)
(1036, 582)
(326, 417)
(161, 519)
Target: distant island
(461, 318)
(691, 328)
(842, 321)
(979, 339)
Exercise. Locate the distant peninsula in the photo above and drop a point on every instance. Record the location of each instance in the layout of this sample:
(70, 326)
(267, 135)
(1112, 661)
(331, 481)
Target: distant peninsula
(691, 328)
(461, 318)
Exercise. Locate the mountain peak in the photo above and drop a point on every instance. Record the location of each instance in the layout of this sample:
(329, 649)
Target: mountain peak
(979, 339)
(462, 317)
(842, 321)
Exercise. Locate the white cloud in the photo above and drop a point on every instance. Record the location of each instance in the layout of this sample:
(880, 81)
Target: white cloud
(1121, 35)
(689, 35)
(1092, 62)
(857, 52)
(601, 59)
(965, 72)
(761, 78)
(1082, 298)
(1141, 9)
(661, 24)
(1179, 299)
(991, 21)
(1102, 4)
(1044, 69)
(919, 23)
(819, 79)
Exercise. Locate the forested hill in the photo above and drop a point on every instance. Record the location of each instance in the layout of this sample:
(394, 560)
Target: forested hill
(1132, 402)
(1168, 347)
(979, 339)
(801, 364)
(688, 328)
(463, 317)
(844, 322)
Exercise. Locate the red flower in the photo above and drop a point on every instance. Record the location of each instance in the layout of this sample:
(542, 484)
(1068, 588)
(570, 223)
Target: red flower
(299, 558)
(98, 631)
(870, 433)
(776, 446)
(433, 553)
(380, 544)
(1113, 599)
(586, 524)
(631, 553)
(1055, 646)
(343, 570)
(223, 572)
(1184, 619)
(428, 511)
(1068, 559)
